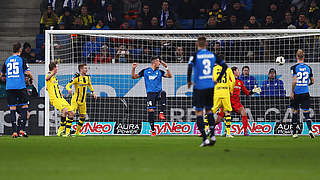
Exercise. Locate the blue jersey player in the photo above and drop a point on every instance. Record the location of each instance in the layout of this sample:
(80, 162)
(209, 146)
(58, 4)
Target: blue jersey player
(202, 63)
(14, 68)
(153, 82)
(300, 97)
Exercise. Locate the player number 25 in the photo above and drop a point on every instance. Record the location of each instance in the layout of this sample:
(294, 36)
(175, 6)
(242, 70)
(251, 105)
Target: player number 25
(302, 77)
(207, 66)
(13, 68)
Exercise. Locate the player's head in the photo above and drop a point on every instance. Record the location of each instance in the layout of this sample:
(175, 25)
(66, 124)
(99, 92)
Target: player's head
(17, 48)
(235, 71)
(53, 66)
(83, 69)
(300, 55)
(155, 61)
(245, 70)
(272, 73)
(202, 43)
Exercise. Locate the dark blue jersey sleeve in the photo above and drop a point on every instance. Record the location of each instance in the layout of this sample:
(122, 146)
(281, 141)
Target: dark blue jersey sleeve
(4, 69)
(221, 62)
(191, 63)
(141, 73)
(25, 66)
(311, 74)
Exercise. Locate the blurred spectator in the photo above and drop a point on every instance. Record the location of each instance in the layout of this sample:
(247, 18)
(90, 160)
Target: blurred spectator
(57, 6)
(131, 9)
(104, 56)
(260, 9)
(185, 9)
(298, 3)
(123, 55)
(67, 19)
(164, 14)
(25, 54)
(3, 92)
(249, 81)
(154, 24)
(87, 20)
(212, 23)
(269, 24)
(110, 17)
(252, 23)
(100, 26)
(77, 24)
(91, 49)
(146, 15)
(294, 12)
(275, 13)
(313, 12)
(48, 19)
(201, 8)
(238, 11)
(125, 25)
(272, 86)
(217, 49)
(216, 11)
(287, 21)
(301, 23)
(171, 25)
(145, 56)
(247, 5)
(232, 23)
(139, 24)
(318, 24)
(34, 58)
(180, 56)
(73, 5)
(31, 90)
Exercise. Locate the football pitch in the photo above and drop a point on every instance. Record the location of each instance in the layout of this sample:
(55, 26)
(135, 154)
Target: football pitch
(161, 157)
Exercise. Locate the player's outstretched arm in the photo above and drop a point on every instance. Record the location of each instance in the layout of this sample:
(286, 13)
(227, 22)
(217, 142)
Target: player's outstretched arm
(311, 81)
(168, 74)
(92, 90)
(133, 73)
(50, 74)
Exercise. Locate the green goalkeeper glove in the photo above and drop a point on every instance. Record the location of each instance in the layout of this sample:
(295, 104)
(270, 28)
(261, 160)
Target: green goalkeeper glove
(256, 89)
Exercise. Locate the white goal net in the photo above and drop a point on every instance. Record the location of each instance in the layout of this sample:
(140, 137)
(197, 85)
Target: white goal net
(121, 104)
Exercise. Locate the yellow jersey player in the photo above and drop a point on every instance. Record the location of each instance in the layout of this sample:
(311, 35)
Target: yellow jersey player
(57, 100)
(222, 90)
(78, 101)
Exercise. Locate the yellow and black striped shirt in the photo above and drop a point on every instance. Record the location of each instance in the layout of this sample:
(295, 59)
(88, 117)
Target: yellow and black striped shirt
(80, 84)
(53, 87)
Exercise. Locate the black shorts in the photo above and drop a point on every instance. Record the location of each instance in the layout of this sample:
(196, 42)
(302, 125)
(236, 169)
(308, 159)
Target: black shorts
(202, 98)
(152, 98)
(301, 101)
(17, 97)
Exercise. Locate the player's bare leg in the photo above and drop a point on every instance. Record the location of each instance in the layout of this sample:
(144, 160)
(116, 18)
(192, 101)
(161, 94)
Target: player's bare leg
(151, 121)
(245, 124)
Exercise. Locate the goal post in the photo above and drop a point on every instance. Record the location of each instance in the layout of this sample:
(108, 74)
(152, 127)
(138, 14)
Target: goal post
(121, 105)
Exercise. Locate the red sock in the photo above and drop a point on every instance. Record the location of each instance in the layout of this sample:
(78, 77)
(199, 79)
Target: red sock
(245, 124)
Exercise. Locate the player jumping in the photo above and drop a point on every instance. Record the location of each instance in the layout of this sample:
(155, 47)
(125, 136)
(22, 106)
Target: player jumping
(153, 82)
(57, 100)
(14, 68)
(203, 62)
(300, 97)
(78, 102)
(235, 101)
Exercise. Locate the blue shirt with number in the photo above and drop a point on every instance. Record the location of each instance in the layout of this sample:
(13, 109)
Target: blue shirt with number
(203, 62)
(14, 68)
(303, 73)
(152, 79)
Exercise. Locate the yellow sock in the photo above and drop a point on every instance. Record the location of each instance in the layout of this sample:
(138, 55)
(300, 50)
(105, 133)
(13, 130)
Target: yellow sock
(228, 124)
(79, 125)
(206, 127)
(68, 125)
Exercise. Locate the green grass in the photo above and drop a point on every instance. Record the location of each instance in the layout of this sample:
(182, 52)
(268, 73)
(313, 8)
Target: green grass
(161, 157)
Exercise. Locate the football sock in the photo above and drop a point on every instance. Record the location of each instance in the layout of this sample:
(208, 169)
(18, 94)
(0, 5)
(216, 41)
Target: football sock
(68, 125)
(308, 120)
(294, 122)
(151, 119)
(80, 123)
(245, 124)
(13, 120)
(200, 125)
(23, 120)
(211, 123)
(62, 124)
(228, 123)
(205, 123)
(162, 101)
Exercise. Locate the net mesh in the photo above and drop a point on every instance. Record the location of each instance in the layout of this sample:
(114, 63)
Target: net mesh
(122, 100)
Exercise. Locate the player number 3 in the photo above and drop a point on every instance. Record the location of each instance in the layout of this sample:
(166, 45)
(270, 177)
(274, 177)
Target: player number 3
(207, 66)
